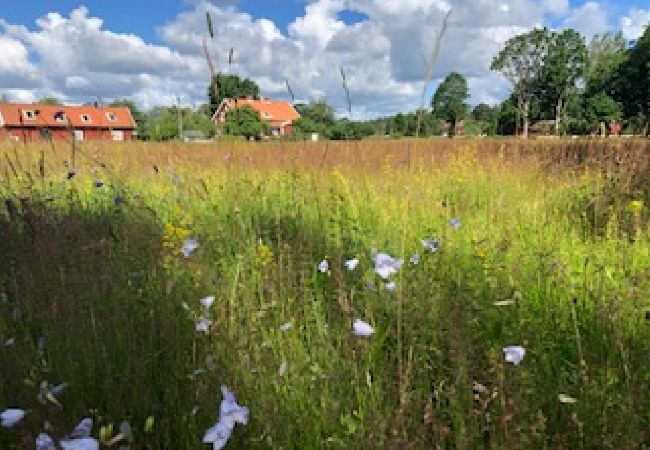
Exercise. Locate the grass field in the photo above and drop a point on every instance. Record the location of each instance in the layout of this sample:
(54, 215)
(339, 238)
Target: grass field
(552, 254)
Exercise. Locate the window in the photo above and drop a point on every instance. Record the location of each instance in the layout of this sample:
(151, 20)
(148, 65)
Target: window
(85, 118)
(29, 115)
(267, 115)
(111, 116)
(59, 116)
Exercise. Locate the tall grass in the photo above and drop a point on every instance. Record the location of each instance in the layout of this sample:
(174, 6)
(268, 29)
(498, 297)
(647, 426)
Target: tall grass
(97, 294)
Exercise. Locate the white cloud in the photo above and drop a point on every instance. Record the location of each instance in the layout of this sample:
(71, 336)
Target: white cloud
(633, 25)
(77, 58)
(589, 19)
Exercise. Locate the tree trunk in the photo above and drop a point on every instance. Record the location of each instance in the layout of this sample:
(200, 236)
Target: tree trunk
(558, 115)
(519, 103)
(526, 107)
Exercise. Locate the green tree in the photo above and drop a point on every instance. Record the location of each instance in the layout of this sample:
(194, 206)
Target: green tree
(631, 85)
(244, 121)
(231, 86)
(563, 64)
(50, 101)
(449, 101)
(521, 62)
(601, 108)
(607, 53)
(138, 116)
(318, 111)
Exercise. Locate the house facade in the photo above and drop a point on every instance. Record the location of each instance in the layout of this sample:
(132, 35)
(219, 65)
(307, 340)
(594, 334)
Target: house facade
(279, 115)
(36, 122)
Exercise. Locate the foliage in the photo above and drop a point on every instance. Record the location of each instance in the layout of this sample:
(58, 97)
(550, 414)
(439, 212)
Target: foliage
(166, 123)
(244, 121)
(97, 293)
(231, 86)
(606, 54)
(631, 83)
(601, 108)
(50, 101)
(449, 100)
(139, 117)
(318, 112)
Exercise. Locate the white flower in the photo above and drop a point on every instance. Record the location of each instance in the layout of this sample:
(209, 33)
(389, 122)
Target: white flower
(10, 342)
(207, 302)
(286, 326)
(44, 442)
(390, 287)
(514, 354)
(10, 417)
(361, 328)
(352, 264)
(431, 244)
(324, 266)
(202, 324)
(385, 265)
(79, 444)
(230, 414)
(189, 246)
(415, 259)
(283, 368)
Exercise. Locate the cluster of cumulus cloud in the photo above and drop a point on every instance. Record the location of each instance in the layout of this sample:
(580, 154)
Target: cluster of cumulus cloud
(76, 57)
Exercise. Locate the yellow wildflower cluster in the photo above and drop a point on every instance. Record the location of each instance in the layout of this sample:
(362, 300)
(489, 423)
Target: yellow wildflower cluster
(263, 255)
(636, 206)
(172, 241)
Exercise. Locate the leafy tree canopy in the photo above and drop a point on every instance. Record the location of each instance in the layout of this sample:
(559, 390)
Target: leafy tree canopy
(244, 121)
(449, 101)
(230, 86)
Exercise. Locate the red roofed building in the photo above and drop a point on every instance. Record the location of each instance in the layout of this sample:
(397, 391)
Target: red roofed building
(34, 122)
(279, 115)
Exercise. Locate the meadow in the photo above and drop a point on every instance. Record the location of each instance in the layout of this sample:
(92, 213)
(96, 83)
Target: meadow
(543, 244)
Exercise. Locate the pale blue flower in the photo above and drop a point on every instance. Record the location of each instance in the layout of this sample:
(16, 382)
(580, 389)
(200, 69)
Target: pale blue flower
(415, 259)
(455, 223)
(207, 302)
(431, 244)
(385, 265)
(80, 438)
(10, 417)
(189, 246)
(362, 329)
(44, 442)
(514, 354)
(390, 286)
(230, 414)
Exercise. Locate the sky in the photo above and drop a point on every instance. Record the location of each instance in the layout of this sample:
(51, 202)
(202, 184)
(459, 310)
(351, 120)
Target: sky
(151, 51)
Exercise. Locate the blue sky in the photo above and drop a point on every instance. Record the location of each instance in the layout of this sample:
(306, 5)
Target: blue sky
(150, 50)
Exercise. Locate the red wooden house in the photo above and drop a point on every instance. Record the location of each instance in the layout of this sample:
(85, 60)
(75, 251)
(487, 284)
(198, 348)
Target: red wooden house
(279, 115)
(34, 122)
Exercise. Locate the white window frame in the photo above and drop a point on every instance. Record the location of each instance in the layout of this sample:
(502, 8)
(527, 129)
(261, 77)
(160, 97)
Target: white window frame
(62, 118)
(85, 118)
(29, 114)
(111, 117)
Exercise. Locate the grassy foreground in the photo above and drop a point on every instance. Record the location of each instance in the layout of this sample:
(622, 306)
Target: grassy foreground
(552, 253)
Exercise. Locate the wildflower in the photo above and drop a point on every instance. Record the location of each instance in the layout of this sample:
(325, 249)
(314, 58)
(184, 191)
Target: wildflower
(385, 265)
(283, 368)
(479, 388)
(352, 264)
(455, 223)
(286, 327)
(390, 287)
(80, 438)
(563, 398)
(431, 244)
(207, 302)
(202, 324)
(189, 246)
(324, 266)
(514, 354)
(44, 442)
(99, 184)
(10, 417)
(230, 414)
(636, 205)
(9, 342)
(415, 259)
(361, 328)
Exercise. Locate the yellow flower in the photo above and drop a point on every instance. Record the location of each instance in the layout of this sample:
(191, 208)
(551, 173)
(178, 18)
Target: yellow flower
(636, 206)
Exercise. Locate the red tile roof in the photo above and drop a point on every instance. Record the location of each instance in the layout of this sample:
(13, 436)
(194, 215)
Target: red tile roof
(276, 113)
(37, 115)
